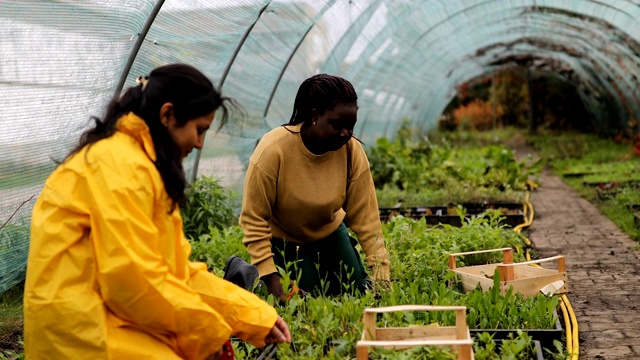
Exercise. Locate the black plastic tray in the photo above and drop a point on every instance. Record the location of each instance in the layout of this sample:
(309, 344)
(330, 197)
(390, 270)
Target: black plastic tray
(435, 215)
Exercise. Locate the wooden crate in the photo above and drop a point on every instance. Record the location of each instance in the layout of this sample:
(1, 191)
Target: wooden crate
(524, 278)
(400, 338)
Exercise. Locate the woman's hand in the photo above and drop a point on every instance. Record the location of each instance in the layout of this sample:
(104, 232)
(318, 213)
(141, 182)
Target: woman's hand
(279, 333)
(274, 287)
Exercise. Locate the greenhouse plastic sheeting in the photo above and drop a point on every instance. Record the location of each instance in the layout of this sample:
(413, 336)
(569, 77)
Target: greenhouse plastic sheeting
(62, 61)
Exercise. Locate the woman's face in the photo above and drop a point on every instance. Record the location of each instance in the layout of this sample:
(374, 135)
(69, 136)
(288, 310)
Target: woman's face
(191, 135)
(334, 128)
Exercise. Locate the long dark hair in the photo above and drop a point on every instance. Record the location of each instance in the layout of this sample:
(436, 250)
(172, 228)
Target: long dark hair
(192, 95)
(321, 92)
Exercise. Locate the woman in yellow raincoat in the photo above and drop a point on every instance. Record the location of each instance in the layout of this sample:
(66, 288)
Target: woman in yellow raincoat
(108, 275)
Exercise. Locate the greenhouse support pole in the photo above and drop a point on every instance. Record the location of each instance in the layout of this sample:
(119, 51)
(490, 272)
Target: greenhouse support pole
(360, 22)
(533, 121)
(136, 47)
(196, 162)
(493, 90)
(293, 52)
(284, 68)
(239, 46)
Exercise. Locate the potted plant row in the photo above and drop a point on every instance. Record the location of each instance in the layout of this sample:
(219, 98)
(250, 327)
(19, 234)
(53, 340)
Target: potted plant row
(511, 214)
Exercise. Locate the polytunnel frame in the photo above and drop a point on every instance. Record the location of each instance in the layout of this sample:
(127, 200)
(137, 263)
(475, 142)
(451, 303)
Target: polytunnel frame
(551, 57)
(522, 57)
(589, 60)
(136, 47)
(624, 109)
(370, 11)
(551, 49)
(481, 65)
(581, 51)
(411, 48)
(225, 73)
(361, 20)
(147, 26)
(314, 21)
(140, 40)
(591, 19)
(401, 99)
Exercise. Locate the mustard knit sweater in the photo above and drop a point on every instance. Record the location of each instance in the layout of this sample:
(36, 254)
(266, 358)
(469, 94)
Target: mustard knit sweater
(293, 194)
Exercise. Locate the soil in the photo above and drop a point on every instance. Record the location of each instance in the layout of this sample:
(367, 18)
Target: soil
(10, 334)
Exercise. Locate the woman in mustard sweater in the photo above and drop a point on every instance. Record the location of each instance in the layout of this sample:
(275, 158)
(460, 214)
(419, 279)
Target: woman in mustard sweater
(108, 274)
(306, 182)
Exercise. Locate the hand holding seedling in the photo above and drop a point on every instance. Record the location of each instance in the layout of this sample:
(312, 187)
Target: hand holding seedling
(279, 333)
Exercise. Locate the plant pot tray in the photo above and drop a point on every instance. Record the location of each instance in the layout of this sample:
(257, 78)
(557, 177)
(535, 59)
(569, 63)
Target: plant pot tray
(538, 355)
(544, 336)
(525, 279)
(512, 213)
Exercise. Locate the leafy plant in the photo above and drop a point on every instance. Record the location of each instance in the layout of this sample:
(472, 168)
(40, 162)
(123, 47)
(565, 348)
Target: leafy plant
(559, 353)
(490, 310)
(608, 160)
(217, 246)
(11, 323)
(209, 204)
(329, 327)
(520, 347)
(415, 167)
(14, 248)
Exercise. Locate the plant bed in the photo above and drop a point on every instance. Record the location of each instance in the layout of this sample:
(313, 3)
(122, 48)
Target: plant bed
(576, 174)
(545, 337)
(606, 185)
(635, 208)
(606, 191)
(330, 327)
(511, 214)
(535, 353)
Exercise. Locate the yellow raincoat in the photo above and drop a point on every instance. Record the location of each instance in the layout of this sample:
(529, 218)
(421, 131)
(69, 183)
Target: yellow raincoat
(108, 275)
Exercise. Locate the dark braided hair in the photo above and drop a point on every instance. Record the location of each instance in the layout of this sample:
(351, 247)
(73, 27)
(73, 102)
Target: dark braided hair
(321, 92)
(192, 95)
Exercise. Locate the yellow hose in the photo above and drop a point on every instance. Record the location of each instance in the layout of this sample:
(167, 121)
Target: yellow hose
(570, 320)
(575, 350)
(567, 321)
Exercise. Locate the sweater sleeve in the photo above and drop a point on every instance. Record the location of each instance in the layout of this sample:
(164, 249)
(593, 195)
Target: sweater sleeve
(362, 213)
(257, 201)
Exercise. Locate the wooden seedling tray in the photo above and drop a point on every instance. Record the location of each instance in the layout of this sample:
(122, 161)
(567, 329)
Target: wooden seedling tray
(400, 338)
(526, 279)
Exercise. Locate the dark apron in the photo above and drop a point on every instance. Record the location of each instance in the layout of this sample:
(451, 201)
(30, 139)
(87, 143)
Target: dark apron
(329, 266)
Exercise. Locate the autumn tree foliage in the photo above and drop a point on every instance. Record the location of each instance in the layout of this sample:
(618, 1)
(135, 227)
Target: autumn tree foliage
(477, 115)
